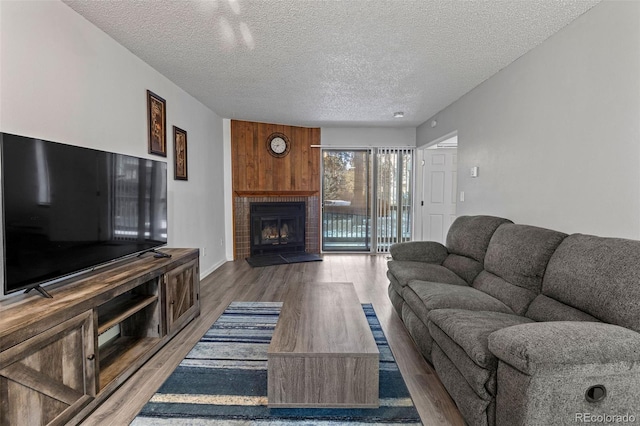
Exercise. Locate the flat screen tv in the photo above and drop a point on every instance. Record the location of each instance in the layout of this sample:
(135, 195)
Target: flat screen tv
(68, 209)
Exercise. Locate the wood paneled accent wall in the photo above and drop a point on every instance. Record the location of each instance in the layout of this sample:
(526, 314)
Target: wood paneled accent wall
(256, 172)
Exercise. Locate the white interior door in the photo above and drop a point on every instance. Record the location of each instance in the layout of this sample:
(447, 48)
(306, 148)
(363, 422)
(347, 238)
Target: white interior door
(439, 193)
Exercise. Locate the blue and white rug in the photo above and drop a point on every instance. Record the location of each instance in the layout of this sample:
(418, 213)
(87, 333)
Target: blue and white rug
(223, 380)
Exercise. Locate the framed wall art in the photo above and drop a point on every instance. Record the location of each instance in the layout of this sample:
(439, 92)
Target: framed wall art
(180, 153)
(157, 118)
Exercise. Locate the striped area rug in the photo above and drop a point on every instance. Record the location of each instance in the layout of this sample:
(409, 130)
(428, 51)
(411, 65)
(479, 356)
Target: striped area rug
(223, 380)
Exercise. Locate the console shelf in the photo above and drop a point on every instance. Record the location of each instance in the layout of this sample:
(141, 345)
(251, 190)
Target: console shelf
(111, 314)
(139, 304)
(120, 354)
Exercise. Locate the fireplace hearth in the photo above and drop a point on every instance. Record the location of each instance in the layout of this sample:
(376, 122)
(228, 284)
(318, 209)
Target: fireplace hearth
(277, 227)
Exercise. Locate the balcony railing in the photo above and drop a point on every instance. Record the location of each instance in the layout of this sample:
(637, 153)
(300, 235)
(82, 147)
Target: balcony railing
(348, 228)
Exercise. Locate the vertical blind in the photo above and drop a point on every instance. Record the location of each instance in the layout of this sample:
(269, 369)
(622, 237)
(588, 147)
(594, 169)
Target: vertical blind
(393, 200)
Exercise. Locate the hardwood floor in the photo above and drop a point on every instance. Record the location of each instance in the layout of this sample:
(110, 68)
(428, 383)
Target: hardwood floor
(237, 281)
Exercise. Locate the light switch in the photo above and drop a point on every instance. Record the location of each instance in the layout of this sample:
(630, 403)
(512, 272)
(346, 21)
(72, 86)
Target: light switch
(475, 171)
(461, 195)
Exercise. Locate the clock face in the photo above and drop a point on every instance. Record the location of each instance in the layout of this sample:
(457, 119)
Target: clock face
(278, 145)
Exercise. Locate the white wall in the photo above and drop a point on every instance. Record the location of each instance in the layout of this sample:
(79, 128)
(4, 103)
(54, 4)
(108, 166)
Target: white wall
(556, 134)
(228, 189)
(63, 79)
(367, 136)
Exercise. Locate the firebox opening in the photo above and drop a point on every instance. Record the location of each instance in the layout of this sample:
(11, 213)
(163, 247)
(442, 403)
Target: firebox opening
(277, 227)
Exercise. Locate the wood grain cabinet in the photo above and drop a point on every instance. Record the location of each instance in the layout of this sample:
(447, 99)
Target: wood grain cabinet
(49, 377)
(60, 358)
(182, 295)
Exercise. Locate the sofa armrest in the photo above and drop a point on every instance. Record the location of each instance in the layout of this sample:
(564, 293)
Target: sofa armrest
(548, 346)
(419, 251)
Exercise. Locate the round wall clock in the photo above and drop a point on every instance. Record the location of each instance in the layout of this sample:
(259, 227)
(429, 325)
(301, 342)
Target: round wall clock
(278, 144)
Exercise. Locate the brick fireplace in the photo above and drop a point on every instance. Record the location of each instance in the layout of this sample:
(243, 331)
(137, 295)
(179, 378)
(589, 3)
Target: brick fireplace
(242, 221)
(260, 177)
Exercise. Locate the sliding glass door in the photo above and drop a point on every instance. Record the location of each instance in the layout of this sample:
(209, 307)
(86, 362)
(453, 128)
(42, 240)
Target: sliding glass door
(366, 198)
(346, 203)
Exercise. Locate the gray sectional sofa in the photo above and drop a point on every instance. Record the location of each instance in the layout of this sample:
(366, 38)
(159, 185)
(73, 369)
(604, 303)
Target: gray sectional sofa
(525, 325)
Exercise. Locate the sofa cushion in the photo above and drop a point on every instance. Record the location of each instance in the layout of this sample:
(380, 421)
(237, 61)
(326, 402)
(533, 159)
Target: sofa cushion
(396, 299)
(463, 336)
(418, 331)
(519, 254)
(419, 251)
(404, 271)
(481, 380)
(470, 330)
(544, 308)
(469, 236)
(598, 276)
(476, 410)
(464, 267)
(517, 298)
(423, 297)
(515, 263)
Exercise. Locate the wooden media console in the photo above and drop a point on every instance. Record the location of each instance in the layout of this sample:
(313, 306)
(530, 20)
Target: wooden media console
(61, 357)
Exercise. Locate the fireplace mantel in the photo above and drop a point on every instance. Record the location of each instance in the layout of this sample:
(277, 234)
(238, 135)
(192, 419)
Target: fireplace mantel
(275, 193)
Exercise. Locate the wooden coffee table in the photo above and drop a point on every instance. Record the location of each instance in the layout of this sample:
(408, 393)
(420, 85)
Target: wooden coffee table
(322, 353)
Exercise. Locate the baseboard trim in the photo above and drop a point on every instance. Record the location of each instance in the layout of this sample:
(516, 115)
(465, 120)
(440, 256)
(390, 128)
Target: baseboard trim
(209, 271)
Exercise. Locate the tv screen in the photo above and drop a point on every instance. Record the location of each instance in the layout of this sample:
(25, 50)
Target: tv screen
(67, 209)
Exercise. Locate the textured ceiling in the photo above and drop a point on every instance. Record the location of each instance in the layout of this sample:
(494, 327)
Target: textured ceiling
(329, 63)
